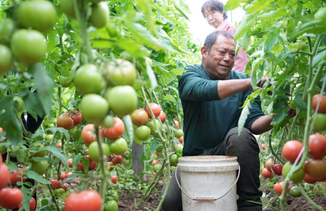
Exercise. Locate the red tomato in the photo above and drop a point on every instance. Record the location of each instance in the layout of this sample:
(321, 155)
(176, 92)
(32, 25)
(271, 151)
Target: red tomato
(65, 186)
(162, 116)
(65, 121)
(315, 168)
(92, 165)
(291, 150)
(63, 175)
(88, 200)
(181, 140)
(266, 173)
(317, 145)
(68, 174)
(116, 159)
(114, 179)
(4, 175)
(0, 153)
(76, 116)
(269, 163)
(155, 108)
(70, 162)
(10, 198)
(309, 180)
(116, 130)
(16, 177)
(55, 184)
(154, 162)
(278, 187)
(322, 105)
(139, 117)
(32, 204)
(87, 134)
(59, 145)
(263, 146)
(176, 124)
(277, 168)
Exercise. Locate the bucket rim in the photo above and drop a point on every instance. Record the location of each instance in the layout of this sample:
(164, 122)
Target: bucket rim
(208, 158)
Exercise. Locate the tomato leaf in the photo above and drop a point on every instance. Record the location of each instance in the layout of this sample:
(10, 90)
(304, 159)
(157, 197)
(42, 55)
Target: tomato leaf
(259, 5)
(35, 176)
(151, 74)
(319, 58)
(8, 119)
(45, 86)
(233, 4)
(57, 152)
(243, 117)
(132, 48)
(245, 25)
(128, 124)
(142, 35)
(169, 98)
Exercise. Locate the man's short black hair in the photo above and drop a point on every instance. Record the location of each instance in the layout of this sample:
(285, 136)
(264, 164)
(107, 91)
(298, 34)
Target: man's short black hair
(214, 5)
(211, 38)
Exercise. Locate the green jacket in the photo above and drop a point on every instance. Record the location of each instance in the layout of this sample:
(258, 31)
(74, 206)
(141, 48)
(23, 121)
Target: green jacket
(207, 119)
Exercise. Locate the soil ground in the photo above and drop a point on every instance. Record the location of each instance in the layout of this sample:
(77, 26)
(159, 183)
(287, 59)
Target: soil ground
(270, 202)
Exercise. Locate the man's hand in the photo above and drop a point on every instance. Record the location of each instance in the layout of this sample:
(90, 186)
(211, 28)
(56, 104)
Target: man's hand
(262, 81)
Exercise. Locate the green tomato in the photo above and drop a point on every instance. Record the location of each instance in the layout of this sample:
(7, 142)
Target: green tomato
(111, 205)
(295, 191)
(28, 46)
(7, 27)
(112, 195)
(123, 100)
(178, 133)
(67, 7)
(120, 72)
(65, 81)
(40, 15)
(142, 132)
(174, 159)
(93, 151)
(321, 14)
(119, 146)
(320, 122)
(88, 80)
(100, 15)
(151, 125)
(40, 167)
(157, 167)
(108, 121)
(6, 59)
(296, 176)
(94, 108)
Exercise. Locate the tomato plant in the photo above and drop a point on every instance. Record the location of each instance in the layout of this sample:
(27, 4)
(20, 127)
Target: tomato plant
(295, 191)
(88, 80)
(16, 176)
(142, 132)
(317, 145)
(88, 200)
(40, 166)
(32, 204)
(93, 151)
(291, 150)
(320, 122)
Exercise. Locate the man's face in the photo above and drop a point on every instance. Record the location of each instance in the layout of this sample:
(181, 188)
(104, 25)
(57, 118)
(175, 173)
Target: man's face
(219, 61)
(214, 18)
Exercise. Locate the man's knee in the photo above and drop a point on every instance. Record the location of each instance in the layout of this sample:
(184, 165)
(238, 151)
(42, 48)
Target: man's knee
(246, 141)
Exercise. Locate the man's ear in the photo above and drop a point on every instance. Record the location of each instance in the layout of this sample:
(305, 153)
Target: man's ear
(203, 51)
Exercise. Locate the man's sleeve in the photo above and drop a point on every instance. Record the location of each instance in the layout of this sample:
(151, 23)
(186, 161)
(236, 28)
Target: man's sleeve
(193, 87)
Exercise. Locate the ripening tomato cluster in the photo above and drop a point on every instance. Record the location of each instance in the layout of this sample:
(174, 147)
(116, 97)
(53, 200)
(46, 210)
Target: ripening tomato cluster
(319, 116)
(70, 119)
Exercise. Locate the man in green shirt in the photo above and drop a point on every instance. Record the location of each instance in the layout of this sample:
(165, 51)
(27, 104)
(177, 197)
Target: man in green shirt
(212, 94)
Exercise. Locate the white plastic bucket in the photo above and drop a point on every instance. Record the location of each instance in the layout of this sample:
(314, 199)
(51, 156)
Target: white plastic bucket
(208, 183)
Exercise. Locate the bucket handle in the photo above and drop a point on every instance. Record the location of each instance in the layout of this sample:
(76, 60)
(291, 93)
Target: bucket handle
(206, 198)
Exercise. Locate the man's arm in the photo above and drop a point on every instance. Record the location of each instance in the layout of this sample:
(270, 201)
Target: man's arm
(227, 88)
(262, 124)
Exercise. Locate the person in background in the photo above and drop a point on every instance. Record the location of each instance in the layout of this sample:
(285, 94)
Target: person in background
(213, 12)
